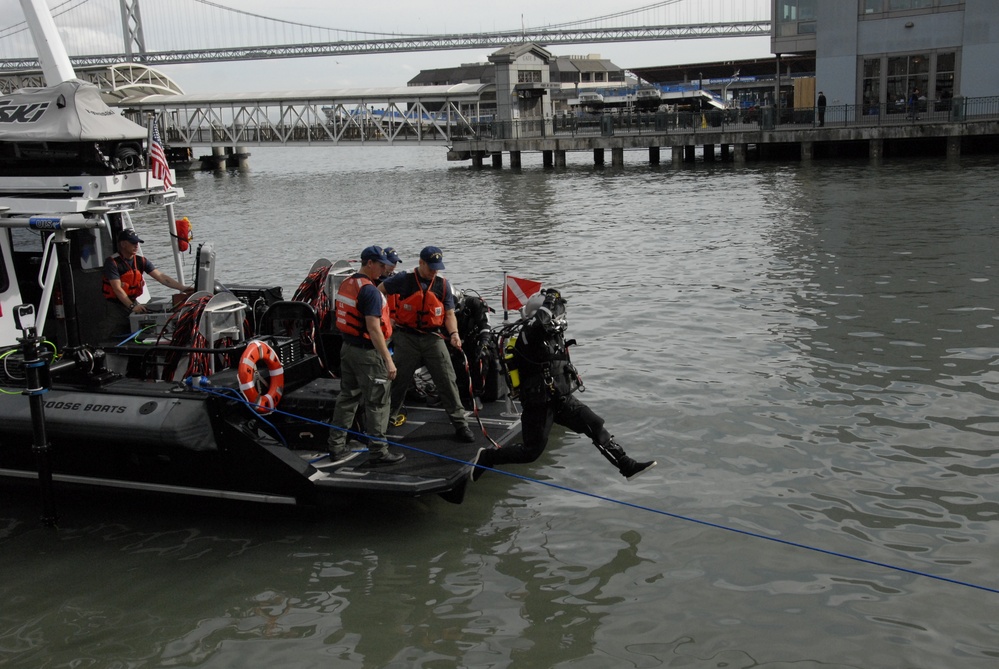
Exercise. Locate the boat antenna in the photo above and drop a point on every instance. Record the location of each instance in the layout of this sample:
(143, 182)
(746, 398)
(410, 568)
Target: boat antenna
(51, 51)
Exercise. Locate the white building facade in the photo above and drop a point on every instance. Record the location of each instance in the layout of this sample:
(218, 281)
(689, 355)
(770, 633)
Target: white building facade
(878, 52)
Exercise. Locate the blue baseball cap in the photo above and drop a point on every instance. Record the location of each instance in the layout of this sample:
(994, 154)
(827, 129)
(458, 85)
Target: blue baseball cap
(392, 255)
(377, 254)
(128, 235)
(433, 256)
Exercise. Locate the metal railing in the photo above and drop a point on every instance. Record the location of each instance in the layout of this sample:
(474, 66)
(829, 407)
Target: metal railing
(633, 122)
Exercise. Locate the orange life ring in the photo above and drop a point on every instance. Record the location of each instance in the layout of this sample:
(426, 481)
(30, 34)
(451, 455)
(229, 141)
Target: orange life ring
(257, 351)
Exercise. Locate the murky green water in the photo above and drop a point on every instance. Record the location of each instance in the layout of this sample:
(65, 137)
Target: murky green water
(810, 352)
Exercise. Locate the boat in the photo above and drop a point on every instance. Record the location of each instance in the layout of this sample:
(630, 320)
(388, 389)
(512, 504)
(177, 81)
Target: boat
(224, 394)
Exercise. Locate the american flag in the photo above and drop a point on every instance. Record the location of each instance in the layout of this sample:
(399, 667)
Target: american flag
(157, 159)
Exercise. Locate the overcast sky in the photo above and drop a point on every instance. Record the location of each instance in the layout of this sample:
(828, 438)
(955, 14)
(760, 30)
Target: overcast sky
(436, 17)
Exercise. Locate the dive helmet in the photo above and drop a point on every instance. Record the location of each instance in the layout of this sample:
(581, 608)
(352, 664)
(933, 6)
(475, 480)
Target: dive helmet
(532, 305)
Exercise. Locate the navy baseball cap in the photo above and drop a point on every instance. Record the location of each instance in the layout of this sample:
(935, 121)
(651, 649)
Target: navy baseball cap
(375, 253)
(127, 235)
(392, 255)
(433, 256)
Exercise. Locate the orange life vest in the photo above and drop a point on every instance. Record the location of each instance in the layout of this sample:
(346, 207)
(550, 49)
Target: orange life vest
(393, 305)
(422, 309)
(349, 320)
(131, 277)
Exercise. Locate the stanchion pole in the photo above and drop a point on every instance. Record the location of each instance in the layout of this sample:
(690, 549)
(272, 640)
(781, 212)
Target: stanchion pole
(36, 384)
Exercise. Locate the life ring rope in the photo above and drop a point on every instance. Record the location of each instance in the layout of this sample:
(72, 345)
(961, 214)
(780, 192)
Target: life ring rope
(258, 351)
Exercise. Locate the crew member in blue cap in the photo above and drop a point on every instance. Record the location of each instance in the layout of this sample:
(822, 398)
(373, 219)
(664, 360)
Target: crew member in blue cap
(393, 259)
(123, 283)
(424, 324)
(366, 366)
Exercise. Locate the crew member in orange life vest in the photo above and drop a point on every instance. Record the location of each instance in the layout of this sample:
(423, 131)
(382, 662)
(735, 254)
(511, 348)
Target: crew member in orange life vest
(424, 324)
(393, 258)
(123, 283)
(366, 366)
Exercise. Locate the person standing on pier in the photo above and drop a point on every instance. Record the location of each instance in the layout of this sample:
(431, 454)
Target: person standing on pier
(914, 104)
(424, 325)
(367, 368)
(821, 104)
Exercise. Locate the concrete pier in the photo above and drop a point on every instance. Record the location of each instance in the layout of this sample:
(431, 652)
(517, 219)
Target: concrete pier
(953, 147)
(876, 149)
(219, 158)
(740, 143)
(242, 157)
(807, 149)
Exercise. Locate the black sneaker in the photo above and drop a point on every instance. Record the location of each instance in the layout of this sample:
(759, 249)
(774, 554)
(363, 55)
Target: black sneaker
(464, 434)
(337, 459)
(385, 458)
(631, 469)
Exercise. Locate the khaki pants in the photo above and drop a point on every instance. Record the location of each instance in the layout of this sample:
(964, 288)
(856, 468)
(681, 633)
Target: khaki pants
(413, 351)
(362, 377)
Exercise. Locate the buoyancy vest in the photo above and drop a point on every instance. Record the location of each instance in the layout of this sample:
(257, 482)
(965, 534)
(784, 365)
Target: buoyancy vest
(131, 277)
(542, 360)
(349, 319)
(422, 309)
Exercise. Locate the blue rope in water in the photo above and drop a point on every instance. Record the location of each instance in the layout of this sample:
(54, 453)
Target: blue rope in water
(640, 507)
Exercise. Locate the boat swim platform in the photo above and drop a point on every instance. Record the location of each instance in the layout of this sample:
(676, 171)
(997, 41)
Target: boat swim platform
(785, 142)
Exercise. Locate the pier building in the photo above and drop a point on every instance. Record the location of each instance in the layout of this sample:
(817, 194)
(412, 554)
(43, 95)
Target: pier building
(897, 76)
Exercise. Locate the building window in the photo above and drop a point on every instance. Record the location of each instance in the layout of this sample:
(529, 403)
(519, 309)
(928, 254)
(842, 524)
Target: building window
(796, 10)
(868, 7)
(892, 80)
(529, 76)
(944, 79)
(907, 75)
(872, 85)
(796, 17)
(902, 5)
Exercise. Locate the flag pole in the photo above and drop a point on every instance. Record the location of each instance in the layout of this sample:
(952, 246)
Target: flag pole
(149, 148)
(503, 298)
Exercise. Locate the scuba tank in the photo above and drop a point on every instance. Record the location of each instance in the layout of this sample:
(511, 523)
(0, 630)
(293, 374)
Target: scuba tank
(510, 369)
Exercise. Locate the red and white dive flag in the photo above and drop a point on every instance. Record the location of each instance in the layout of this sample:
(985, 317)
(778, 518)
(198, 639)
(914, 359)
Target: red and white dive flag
(516, 291)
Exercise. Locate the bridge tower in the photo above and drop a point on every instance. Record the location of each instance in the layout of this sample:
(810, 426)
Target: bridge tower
(523, 84)
(131, 30)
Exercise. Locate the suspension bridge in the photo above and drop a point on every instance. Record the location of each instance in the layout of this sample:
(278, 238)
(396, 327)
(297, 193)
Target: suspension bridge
(201, 31)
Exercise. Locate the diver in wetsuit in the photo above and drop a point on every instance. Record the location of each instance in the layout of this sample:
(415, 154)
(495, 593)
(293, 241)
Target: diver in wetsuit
(547, 383)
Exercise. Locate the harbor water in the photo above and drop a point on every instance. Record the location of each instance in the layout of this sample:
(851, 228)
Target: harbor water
(809, 351)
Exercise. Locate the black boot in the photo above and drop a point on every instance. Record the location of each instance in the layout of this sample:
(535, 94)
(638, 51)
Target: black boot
(628, 467)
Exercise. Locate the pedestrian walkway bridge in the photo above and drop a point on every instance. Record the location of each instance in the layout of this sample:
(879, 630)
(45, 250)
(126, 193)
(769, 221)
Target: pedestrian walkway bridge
(410, 114)
(453, 116)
